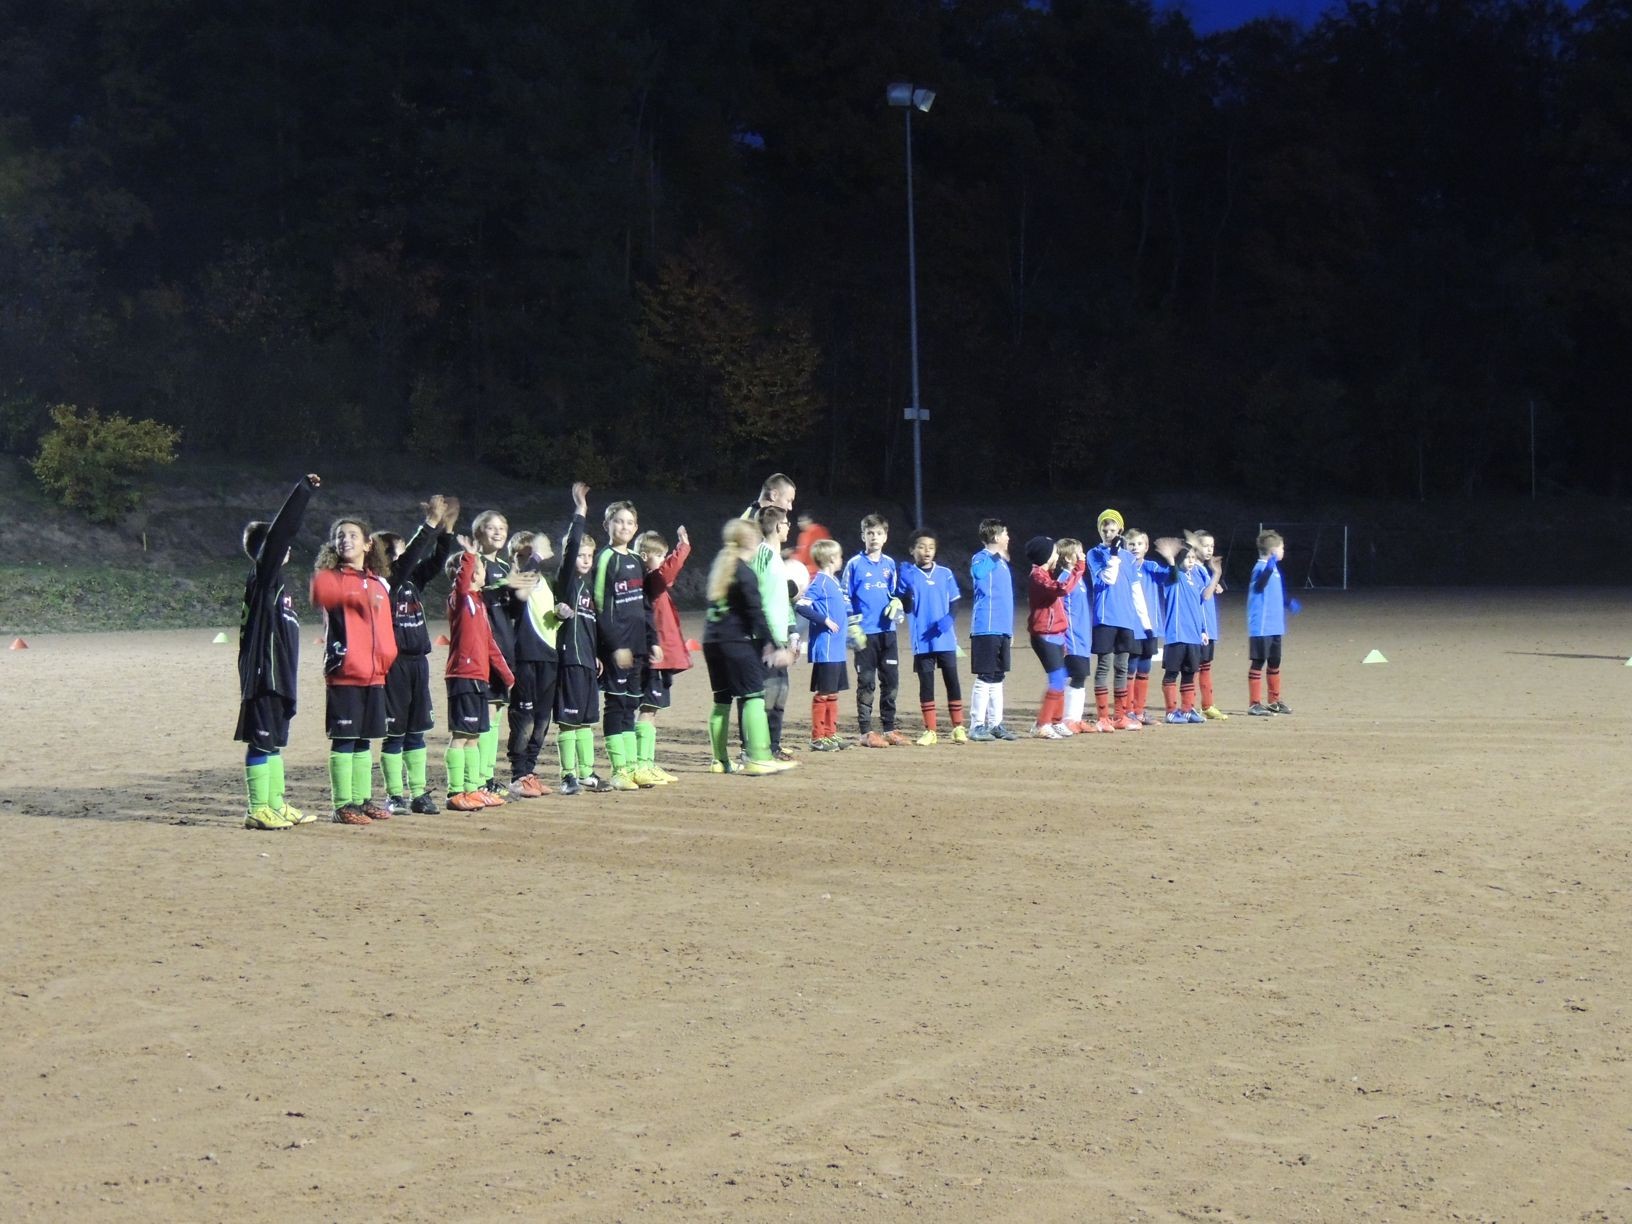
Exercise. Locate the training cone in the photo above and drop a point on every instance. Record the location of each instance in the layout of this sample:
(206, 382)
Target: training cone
(19, 644)
(443, 639)
(220, 639)
(24, 646)
(693, 644)
(1375, 656)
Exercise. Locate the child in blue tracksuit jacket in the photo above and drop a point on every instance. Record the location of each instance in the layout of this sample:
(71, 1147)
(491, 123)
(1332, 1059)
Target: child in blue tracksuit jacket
(991, 630)
(827, 612)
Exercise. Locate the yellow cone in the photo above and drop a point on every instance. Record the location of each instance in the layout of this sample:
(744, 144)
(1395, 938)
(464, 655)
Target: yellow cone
(1375, 656)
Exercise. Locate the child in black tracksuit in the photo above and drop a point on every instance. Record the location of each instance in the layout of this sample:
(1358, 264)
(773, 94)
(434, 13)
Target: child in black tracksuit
(577, 696)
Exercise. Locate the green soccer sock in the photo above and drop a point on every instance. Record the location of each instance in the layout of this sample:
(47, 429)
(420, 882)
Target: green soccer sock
(489, 741)
(645, 744)
(455, 762)
(566, 743)
(475, 775)
(340, 778)
(391, 771)
(258, 785)
(586, 751)
(615, 750)
(414, 760)
(719, 733)
(756, 731)
(362, 773)
(274, 765)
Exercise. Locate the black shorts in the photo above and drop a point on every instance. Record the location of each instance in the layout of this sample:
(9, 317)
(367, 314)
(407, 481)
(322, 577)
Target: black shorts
(533, 694)
(1050, 654)
(655, 684)
(408, 696)
(1112, 640)
(623, 681)
(1208, 651)
(467, 706)
(355, 711)
(881, 651)
(577, 700)
(829, 678)
(1144, 648)
(1265, 649)
(263, 722)
(1078, 668)
(989, 654)
(1180, 657)
(735, 669)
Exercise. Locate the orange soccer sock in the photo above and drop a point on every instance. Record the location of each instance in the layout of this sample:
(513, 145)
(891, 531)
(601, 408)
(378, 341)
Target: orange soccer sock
(1170, 696)
(1255, 686)
(1204, 682)
(1141, 691)
(1053, 708)
(927, 708)
(1187, 697)
(818, 717)
(954, 711)
(830, 715)
(1122, 703)
(1274, 684)
(1102, 703)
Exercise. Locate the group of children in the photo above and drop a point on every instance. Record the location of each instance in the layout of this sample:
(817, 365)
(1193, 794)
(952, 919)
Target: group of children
(595, 637)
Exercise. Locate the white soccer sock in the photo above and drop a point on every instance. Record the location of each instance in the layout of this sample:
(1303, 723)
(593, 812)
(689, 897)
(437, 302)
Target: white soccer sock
(996, 703)
(1075, 699)
(978, 702)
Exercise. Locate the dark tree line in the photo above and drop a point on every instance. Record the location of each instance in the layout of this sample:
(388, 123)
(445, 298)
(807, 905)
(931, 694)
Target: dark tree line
(665, 243)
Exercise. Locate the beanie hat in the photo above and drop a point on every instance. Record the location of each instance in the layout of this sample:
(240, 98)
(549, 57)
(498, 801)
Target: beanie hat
(1110, 514)
(1038, 548)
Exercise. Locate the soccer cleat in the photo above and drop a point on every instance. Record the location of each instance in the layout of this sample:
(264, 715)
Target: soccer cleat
(593, 783)
(1259, 710)
(645, 778)
(295, 816)
(1000, 732)
(781, 754)
(1063, 730)
(1194, 716)
(960, 734)
(264, 817)
(622, 781)
(469, 801)
(1214, 714)
(1279, 707)
(897, 740)
(423, 805)
(760, 769)
(873, 740)
(396, 805)
(350, 814)
(375, 810)
(981, 735)
(521, 788)
(823, 745)
(839, 742)
(569, 784)
(724, 767)
(1123, 723)
(927, 738)
(487, 798)
(1081, 728)
(1104, 726)
(1044, 731)
(663, 775)
(1175, 717)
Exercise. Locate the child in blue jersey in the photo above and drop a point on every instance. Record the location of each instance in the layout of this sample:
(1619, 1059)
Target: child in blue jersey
(991, 630)
(871, 586)
(1114, 624)
(1147, 607)
(1266, 622)
(928, 591)
(1206, 546)
(1079, 639)
(1184, 628)
(827, 613)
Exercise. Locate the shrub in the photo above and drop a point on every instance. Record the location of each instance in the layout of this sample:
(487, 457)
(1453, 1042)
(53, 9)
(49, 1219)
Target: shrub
(93, 463)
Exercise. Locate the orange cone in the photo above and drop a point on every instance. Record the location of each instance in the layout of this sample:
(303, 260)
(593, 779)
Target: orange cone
(18, 644)
(443, 639)
(693, 644)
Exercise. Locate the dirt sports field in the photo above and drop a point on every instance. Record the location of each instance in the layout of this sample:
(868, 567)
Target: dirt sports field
(1369, 962)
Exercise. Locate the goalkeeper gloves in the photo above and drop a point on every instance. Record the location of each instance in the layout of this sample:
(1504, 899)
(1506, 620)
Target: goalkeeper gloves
(893, 610)
(856, 636)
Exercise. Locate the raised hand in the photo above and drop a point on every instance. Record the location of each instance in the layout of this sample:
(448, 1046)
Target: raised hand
(580, 498)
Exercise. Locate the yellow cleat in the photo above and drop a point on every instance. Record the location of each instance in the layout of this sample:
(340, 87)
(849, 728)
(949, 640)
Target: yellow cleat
(927, 738)
(647, 777)
(960, 734)
(264, 818)
(295, 816)
(663, 776)
(759, 769)
(1214, 714)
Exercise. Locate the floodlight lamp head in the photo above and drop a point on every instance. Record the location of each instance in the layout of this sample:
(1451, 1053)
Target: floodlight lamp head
(904, 94)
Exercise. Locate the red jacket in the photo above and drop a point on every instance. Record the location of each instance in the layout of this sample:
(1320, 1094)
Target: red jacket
(666, 620)
(473, 654)
(359, 640)
(1047, 597)
(808, 537)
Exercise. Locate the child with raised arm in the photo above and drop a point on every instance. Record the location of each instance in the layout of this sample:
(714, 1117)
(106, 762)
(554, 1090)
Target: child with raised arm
(1147, 607)
(577, 695)
(871, 588)
(824, 608)
(1206, 546)
(476, 670)
(1266, 622)
(1046, 623)
(269, 663)
(408, 710)
(1184, 627)
(503, 593)
(928, 591)
(737, 646)
(991, 630)
(351, 585)
(1079, 640)
(628, 639)
(663, 566)
(1114, 624)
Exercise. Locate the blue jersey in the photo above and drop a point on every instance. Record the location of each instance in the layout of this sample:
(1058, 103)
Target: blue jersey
(1266, 603)
(1113, 597)
(869, 585)
(1079, 617)
(1209, 608)
(993, 585)
(1183, 622)
(929, 624)
(823, 601)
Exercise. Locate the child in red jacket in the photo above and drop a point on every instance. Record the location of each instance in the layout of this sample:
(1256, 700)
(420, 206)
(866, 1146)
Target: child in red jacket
(476, 670)
(663, 566)
(1047, 623)
(359, 646)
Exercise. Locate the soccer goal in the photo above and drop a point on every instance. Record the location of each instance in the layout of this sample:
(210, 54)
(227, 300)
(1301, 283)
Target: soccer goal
(1317, 554)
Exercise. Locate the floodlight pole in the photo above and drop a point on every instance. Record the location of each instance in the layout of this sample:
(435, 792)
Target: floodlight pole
(909, 98)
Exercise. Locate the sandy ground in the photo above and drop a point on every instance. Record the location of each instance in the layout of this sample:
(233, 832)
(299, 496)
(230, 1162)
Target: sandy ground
(1369, 962)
